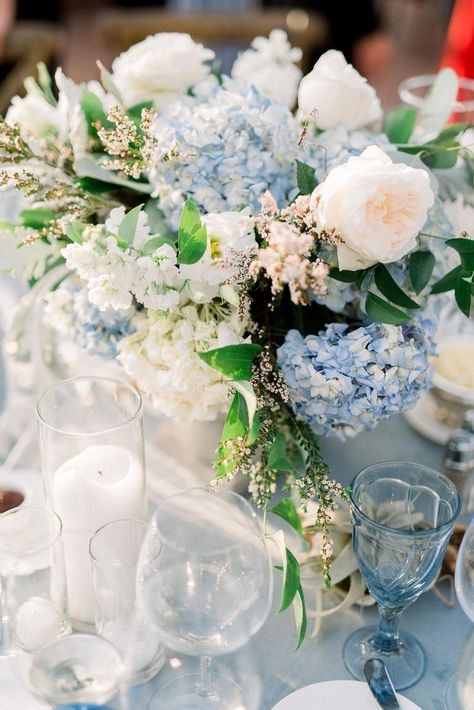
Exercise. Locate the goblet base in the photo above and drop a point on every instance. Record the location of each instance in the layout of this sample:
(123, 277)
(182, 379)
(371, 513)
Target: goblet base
(451, 696)
(405, 665)
(185, 693)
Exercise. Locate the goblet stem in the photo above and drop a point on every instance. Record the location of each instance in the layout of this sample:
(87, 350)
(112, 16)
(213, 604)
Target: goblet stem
(387, 637)
(206, 688)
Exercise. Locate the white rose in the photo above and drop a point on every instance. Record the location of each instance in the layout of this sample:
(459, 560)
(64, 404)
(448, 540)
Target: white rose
(160, 69)
(338, 94)
(376, 206)
(270, 66)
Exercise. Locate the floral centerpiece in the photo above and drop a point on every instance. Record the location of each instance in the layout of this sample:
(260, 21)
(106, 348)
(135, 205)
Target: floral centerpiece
(234, 256)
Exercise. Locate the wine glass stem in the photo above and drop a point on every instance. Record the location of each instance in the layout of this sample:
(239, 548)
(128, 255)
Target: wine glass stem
(387, 636)
(206, 678)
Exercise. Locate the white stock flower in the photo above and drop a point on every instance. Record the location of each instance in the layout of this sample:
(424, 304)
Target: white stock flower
(270, 66)
(162, 358)
(337, 93)
(376, 206)
(160, 68)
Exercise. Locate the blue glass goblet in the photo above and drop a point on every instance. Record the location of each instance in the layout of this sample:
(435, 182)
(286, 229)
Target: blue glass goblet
(403, 515)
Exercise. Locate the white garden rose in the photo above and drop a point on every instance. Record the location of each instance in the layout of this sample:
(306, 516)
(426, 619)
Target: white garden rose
(160, 68)
(337, 93)
(270, 65)
(375, 205)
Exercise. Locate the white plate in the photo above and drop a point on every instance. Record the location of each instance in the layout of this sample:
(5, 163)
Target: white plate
(336, 695)
(423, 420)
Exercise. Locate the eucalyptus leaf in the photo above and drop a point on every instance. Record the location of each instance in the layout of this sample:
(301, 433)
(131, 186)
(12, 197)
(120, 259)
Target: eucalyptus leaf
(88, 168)
(306, 178)
(233, 361)
(345, 276)
(277, 458)
(291, 581)
(381, 310)
(463, 296)
(246, 390)
(128, 226)
(448, 281)
(399, 124)
(390, 289)
(301, 618)
(420, 266)
(286, 509)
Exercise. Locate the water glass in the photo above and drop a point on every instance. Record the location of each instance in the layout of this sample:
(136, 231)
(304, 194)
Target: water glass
(123, 556)
(33, 578)
(92, 459)
(403, 516)
(211, 591)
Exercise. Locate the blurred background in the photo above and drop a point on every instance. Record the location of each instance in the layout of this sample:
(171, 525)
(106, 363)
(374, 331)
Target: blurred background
(387, 40)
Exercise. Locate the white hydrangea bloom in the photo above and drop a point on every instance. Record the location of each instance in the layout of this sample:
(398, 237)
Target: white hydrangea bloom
(270, 66)
(162, 358)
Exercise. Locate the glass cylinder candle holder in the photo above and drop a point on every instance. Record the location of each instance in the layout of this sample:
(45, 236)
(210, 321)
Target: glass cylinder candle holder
(92, 460)
(33, 579)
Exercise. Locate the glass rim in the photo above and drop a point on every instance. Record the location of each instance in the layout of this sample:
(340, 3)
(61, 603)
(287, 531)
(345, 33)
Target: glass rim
(133, 390)
(202, 489)
(408, 85)
(57, 535)
(136, 521)
(414, 533)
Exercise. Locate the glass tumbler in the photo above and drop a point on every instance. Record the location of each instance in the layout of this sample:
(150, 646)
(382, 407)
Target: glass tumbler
(92, 459)
(403, 516)
(123, 556)
(33, 579)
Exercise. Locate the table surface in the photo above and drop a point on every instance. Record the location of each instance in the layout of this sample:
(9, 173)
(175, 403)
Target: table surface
(269, 667)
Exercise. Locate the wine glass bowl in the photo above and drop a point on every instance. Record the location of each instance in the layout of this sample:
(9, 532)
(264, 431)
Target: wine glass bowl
(464, 575)
(212, 588)
(403, 515)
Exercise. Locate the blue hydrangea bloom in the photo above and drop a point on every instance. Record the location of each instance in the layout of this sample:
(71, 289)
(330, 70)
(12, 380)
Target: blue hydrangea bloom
(233, 143)
(98, 332)
(344, 380)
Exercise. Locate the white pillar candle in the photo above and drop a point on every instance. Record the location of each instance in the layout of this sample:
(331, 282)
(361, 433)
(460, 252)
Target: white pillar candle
(101, 484)
(37, 622)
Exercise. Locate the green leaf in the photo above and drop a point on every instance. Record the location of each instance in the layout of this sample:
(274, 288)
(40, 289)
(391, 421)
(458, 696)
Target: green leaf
(465, 249)
(291, 581)
(93, 186)
(236, 423)
(234, 361)
(286, 509)
(450, 132)
(399, 124)
(192, 247)
(128, 226)
(277, 458)
(108, 82)
(463, 296)
(254, 431)
(93, 110)
(135, 112)
(156, 219)
(155, 243)
(74, 231)
(390, 289)
(246, 390)
(44, 80)
(344, 275)
(299, 611)
(190, 218)
(306, 178)
(88, 168)
(440, 158)
(381, 310)
(449, 280)
(420, 266)
(37, 218)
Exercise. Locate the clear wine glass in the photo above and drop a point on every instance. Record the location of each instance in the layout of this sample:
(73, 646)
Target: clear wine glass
(403, 516)
(211, 591)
